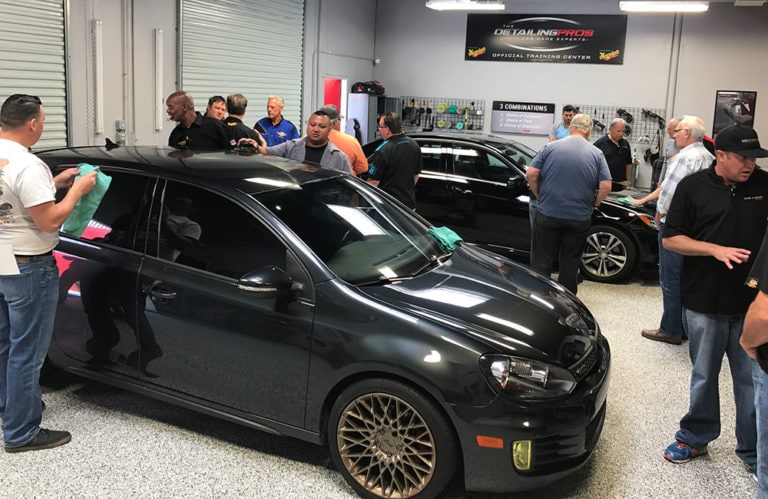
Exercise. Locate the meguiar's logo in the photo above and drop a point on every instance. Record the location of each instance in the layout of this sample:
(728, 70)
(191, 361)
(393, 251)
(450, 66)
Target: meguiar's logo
(607, 56)
(476, 52)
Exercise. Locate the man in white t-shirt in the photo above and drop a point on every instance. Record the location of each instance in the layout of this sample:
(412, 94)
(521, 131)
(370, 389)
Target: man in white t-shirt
(30, 219)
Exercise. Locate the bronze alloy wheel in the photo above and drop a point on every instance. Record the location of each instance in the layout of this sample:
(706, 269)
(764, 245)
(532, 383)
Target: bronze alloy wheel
(388, 443)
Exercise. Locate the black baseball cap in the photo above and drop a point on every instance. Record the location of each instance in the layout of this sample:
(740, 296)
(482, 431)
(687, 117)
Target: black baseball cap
(740, 139)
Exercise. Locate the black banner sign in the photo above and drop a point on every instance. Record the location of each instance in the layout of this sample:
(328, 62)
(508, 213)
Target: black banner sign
(551, 38)
(522, 117)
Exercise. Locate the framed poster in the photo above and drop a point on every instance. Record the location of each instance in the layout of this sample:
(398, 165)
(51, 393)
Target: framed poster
(733, 107)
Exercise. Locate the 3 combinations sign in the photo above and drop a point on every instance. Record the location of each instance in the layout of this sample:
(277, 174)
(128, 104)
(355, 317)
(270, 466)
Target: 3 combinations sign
(537, 38)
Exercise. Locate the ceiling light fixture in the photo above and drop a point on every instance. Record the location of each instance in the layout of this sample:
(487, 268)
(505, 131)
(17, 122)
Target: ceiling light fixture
(465, 5)
(661, 6)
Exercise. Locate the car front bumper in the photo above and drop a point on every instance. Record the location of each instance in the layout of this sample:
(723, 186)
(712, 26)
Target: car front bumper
(562, 435)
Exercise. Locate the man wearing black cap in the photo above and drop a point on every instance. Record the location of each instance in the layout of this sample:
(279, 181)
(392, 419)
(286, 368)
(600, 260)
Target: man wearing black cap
(716, 221)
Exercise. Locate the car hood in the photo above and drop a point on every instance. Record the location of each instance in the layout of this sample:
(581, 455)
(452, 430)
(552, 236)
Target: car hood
(507, 306)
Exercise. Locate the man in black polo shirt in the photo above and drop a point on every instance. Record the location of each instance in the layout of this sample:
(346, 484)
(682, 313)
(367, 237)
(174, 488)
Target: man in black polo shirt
(716, 221)
(233, 124)
(395, 165)
(617, 152)
(194, 131)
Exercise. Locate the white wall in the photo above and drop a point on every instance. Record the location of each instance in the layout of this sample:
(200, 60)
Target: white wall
(339, 43)
(422, 53)
(129, 67)
(724, 50)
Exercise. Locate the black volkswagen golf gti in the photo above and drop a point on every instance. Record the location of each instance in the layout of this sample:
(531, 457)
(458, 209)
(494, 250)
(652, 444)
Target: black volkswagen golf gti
(304, 302)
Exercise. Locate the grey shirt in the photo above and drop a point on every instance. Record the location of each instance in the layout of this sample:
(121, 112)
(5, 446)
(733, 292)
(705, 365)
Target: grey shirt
(297, 149)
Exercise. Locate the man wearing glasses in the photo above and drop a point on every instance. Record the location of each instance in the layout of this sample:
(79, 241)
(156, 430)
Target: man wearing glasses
(395, 165)
(693, 156)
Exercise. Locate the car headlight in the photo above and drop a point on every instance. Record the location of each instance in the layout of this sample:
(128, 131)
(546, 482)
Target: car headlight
(648, 220)
(526, 379)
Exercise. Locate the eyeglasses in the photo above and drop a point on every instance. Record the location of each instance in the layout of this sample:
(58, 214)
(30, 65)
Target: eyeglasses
(678, 130)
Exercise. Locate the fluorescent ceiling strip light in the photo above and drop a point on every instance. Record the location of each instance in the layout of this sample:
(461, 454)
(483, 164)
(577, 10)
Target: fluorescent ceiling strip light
(464, 5)
(660, 6)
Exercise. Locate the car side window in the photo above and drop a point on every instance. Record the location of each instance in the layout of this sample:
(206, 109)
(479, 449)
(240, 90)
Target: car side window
(474, 162)
(467, 161)
(496, 170)
(122, 211)
(431, 154)
(201, 229)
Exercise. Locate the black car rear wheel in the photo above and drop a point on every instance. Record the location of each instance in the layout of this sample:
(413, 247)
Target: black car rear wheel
(388, 440)
(609, 255)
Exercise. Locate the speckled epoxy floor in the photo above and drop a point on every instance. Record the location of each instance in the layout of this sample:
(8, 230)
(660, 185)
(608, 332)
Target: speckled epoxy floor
(126, 445)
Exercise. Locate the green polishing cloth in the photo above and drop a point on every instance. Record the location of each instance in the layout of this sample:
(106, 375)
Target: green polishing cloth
(445, 237)
(86, 206)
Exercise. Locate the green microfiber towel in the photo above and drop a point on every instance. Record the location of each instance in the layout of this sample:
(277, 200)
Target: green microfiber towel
(445, 237)
(626, 201)
(86, 206)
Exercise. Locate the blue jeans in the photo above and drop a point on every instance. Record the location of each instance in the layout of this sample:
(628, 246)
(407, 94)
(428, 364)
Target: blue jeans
(27, 309)
(760, 380)
(670, 280)
(711, 336)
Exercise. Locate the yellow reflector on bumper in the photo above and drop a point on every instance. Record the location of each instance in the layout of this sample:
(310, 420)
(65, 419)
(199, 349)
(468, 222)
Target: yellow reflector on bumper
(521, 454)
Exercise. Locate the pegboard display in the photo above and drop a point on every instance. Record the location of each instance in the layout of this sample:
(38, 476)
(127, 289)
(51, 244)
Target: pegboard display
(646, 132)
(644, 125)
(442, 113)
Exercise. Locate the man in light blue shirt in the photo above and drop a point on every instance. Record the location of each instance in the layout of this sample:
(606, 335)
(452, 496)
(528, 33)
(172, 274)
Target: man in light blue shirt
(692, 157)
(561, 130)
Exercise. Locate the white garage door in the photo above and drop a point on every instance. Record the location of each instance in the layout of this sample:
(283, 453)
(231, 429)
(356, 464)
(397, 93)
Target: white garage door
(32, 60)
(252, 47)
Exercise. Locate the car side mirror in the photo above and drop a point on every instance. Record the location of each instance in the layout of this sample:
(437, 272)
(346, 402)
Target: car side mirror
(266, 282)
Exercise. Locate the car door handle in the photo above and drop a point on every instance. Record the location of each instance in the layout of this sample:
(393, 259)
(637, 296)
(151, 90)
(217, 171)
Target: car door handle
(160, 293)
(461, 190)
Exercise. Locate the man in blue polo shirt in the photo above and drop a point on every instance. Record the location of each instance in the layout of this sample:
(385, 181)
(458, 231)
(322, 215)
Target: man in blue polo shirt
(274, 128)
(568, 177)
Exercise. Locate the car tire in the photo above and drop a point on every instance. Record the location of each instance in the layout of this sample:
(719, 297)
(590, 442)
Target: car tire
(610, 255)
(389, 440)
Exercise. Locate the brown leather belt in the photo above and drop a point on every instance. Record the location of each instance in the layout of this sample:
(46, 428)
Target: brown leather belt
(30, 258)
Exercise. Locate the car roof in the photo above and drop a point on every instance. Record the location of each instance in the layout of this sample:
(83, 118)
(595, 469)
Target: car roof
(263, 173)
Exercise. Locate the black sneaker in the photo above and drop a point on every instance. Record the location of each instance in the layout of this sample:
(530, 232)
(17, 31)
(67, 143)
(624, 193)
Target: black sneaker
(45, 439)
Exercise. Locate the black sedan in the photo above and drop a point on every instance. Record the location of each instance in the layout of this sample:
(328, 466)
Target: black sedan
(303, 302)
(475, 184)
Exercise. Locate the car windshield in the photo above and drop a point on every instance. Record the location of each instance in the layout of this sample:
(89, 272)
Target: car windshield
(362, 237)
